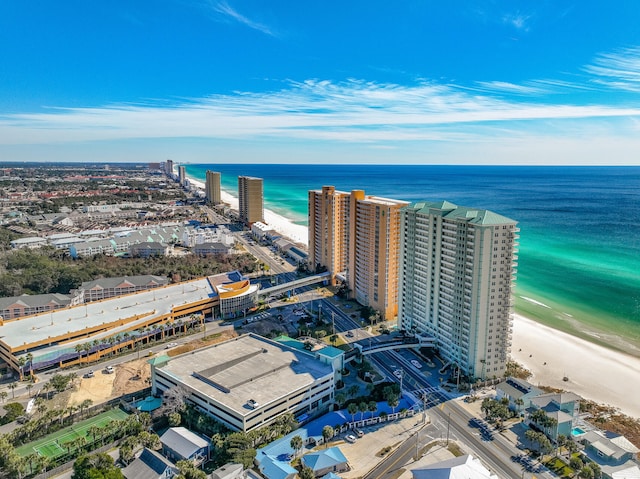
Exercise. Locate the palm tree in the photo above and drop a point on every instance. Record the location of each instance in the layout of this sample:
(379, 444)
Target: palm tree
(327, 433)
(296, 444)
(353, 390)
(340, 400)
(29, 388)
(352, 409)
(3, 396)
(21, 362)
(30, 361)
(13, 387)
(372, 407)
(393, 400)
(84, 405)
(362, 408)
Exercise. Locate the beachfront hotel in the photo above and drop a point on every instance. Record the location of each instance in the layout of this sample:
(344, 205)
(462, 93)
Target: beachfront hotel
(356, 237)
(212, 188)
(458, 268)
(182, 175)
(250, 199)
(249, 381)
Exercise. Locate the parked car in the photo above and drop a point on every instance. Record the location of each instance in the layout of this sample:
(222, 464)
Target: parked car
(109, 370)
(350, 438)
(359, 432)
(89, 374)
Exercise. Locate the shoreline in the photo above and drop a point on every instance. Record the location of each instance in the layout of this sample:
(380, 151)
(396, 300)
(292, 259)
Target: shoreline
(595, 372)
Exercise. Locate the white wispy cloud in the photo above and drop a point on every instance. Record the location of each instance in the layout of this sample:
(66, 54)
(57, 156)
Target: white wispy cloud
(350, 111)
(229, 12)
(512, 88)
(618, 70)
(517, 20)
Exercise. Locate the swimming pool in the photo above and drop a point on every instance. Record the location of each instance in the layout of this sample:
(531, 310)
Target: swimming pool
(576, 431)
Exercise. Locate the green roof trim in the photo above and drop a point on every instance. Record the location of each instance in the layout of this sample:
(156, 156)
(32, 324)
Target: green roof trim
(460, 213)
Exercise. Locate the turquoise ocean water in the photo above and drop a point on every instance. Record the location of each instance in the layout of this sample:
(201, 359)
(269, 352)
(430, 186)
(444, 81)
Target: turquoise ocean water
(579, 258)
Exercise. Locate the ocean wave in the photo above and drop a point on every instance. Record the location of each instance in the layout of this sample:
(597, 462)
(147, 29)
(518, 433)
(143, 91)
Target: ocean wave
(531, 300)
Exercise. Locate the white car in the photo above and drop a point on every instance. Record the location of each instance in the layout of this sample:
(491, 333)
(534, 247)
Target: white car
(350, 438)
(109, 370)
(398, 373)
(416, 363)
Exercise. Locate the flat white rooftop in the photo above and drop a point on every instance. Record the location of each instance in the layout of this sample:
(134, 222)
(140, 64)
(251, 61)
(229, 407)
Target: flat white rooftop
(156, 302)
(245, 368)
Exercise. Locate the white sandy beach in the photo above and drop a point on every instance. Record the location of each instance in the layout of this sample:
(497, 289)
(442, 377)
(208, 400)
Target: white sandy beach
(596, 373)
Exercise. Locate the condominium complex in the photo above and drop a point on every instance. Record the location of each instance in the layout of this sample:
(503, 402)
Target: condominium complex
(182, 175)
(456, 278)
(212, 188)
(356, 238)
(250, 199)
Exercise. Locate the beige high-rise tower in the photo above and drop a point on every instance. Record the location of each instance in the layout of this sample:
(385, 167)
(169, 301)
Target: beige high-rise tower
(250, 199)
(456, 279)
(212, 188)
(356, 237)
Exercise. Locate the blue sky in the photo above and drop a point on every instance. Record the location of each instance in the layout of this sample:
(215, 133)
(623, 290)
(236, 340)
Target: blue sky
(442, 82)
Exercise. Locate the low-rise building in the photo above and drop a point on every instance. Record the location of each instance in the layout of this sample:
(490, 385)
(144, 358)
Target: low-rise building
(613, 453)
(325, 461)
(32, 242)
(179, 444)
(562, 408)
(148, 250)
(519, 393)
(467, 467)
(150, 465)
(248, 382)
(25, 305)
(104, 288)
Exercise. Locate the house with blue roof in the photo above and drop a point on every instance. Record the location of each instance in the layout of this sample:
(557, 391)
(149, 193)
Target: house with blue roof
(273, 468)
(325, 461)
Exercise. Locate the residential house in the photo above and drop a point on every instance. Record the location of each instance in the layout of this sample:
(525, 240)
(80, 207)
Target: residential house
(615, 454)
(519, 393)
(229, 471)
(150, 465)
(325, 461)
(562, 408)
(467, 467)
(273, 468)
(208, 249)
(179, 443)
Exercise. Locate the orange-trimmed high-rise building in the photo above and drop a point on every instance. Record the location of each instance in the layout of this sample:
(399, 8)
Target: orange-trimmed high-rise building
(250, 199)
(356, 237)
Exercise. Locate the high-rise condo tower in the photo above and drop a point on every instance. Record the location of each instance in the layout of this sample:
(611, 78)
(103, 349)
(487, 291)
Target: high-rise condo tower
(457, 274)
(250, 199)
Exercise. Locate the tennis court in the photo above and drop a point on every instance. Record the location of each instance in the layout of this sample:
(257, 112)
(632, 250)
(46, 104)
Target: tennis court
(53, 445)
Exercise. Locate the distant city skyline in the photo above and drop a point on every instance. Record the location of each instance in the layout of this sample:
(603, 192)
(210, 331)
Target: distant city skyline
(222, 81)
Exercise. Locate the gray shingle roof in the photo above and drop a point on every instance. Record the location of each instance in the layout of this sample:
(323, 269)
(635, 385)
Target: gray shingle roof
(150, 465)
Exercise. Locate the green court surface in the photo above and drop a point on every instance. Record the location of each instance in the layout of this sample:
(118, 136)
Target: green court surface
(53, 445)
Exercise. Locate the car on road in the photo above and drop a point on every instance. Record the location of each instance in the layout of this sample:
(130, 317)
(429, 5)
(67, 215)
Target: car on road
(109, 370)
(170, 345)
(89, 374)
(350, 438)
(416, 363)
(398, 373)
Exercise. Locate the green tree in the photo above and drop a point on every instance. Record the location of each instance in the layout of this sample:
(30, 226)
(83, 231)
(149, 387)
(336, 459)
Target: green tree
(393, 400)
(306, 473)
(372, 407)
(187, 470)
(296, 444)
(327, 433)
(96, 466)
(341, 398)
(353, 390)
(59, 382)
(362, 408)
(174, 419)
(352, 409)
(13, 411)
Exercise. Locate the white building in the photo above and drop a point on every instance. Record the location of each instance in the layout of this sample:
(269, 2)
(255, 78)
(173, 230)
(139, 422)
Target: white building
(249, 381)
(456, 278)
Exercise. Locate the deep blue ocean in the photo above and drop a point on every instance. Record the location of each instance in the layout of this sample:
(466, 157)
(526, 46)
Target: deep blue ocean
(579, 258)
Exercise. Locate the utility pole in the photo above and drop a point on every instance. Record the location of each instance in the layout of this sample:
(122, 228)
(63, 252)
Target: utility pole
(333, 322)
